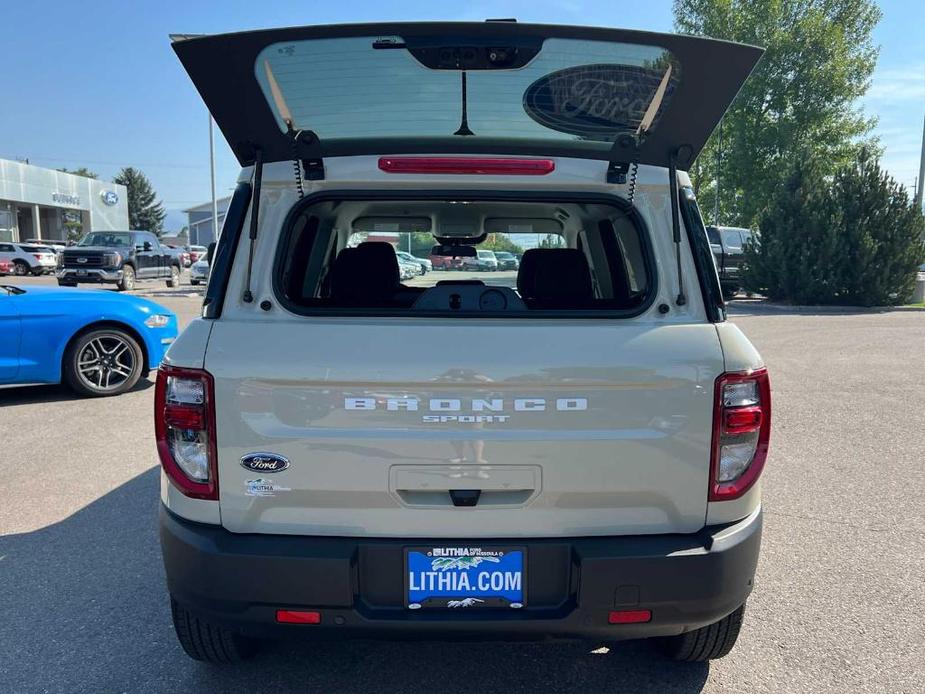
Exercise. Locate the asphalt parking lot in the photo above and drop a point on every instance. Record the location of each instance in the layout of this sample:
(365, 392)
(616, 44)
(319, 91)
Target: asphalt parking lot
(839, 604)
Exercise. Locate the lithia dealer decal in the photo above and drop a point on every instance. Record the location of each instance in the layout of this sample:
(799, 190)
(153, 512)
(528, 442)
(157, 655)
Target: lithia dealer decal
(477, 410)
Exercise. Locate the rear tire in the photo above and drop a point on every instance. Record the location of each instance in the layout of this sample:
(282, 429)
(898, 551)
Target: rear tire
(707, 643)
(20, 268)
(208, 642)
(65, 283)
(174, 280)
(194, 282)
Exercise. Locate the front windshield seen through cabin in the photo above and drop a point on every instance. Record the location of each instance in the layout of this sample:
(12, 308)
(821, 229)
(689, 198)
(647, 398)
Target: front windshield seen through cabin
(109, 239)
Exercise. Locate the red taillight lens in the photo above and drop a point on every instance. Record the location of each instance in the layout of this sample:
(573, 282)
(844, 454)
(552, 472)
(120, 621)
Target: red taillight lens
(741, 432)
(467, 165)
(741, 420)
(298, 617)
(184, 425)
(37, 256)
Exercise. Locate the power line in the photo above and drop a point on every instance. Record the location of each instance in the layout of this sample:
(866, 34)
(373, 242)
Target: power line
(93, 162)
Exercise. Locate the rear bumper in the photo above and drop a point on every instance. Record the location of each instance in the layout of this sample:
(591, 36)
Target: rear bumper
(687, 581)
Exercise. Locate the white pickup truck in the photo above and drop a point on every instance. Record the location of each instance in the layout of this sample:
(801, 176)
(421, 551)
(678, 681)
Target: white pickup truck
(569, 448)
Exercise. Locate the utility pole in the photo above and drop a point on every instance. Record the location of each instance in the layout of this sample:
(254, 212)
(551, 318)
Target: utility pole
(212, 172)
(921, 187)
(719, 158)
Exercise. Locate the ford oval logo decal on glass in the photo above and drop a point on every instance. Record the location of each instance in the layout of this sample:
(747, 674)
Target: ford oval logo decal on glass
(265, 462)
(598, 102)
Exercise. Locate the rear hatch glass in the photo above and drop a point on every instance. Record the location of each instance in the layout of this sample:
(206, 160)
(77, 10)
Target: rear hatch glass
(435, 88)
(369, 87)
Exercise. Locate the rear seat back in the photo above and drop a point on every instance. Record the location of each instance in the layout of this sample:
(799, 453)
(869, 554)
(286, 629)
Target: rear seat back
(555, 278)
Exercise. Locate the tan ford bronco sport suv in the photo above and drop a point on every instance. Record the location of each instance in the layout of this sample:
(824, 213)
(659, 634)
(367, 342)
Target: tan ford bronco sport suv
(569, 449)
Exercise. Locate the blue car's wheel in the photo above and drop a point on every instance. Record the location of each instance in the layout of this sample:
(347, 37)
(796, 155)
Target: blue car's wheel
(103, 362)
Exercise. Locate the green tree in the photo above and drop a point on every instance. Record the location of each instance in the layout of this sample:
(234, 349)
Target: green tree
(82, 171)
(551, 241)
(144, 212)
(501, 242)
(852, 238)
(799, 103)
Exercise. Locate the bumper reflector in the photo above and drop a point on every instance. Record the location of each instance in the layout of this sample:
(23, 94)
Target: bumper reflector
(297, 617)
(629, 616)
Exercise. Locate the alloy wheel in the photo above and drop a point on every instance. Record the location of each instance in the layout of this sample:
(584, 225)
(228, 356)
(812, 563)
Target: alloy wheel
(106, 362)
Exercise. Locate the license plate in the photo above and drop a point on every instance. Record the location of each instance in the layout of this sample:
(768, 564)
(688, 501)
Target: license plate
(81, 273)
(465, 577)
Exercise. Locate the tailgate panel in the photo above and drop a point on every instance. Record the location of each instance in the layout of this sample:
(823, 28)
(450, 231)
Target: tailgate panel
(578, 428)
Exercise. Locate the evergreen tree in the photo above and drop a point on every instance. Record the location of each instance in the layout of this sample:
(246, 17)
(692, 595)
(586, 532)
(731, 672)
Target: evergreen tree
(853, 238)
(144, 212)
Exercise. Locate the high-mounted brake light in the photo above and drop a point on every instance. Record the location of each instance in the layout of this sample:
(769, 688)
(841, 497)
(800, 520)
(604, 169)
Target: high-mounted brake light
(184, 425)
(488, 166)
(741, 432)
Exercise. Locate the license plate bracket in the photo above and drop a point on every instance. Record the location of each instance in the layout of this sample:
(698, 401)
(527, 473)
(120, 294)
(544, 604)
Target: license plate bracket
(458, 576)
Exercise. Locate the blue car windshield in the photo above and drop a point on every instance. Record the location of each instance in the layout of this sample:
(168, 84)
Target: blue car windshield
(109, 239)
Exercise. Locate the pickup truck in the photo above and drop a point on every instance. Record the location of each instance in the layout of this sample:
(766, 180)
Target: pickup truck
(728, 246)
(121, 258)
(572, 452)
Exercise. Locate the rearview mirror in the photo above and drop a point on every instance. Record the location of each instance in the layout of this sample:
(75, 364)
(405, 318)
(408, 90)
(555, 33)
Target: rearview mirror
(147, 245)
(452, 251)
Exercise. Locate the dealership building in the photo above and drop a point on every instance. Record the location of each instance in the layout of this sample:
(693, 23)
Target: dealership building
(35, 203)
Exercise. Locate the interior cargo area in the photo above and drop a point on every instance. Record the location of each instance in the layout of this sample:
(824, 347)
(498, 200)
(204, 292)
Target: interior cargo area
(532, 257)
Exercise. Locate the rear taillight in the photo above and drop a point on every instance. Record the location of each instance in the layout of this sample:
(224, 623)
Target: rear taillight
(467, 165)
(741, 431)
(37, 256)
(184, 424)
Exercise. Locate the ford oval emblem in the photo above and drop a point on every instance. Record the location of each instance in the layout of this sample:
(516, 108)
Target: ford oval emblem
(265, 462)
(600, 101)
(109, 197)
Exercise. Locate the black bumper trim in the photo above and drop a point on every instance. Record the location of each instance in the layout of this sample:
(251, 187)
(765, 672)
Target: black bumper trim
(687, 581)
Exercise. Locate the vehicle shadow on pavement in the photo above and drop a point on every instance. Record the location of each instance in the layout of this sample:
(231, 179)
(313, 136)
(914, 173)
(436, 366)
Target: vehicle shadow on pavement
(83, 608)
(31, 395)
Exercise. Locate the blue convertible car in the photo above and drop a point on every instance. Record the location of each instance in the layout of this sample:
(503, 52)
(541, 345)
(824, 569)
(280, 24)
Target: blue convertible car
(98, 342)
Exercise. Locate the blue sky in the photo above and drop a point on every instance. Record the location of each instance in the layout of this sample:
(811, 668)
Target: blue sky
(96, 84)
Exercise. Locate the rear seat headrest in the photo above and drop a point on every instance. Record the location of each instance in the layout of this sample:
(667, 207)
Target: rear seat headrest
(559, 275)
(368, 273)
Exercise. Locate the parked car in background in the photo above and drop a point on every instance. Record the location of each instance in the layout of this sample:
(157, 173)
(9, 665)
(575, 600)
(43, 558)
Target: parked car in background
(5, 267)
(27, 259)
(199, 272)
(485, 261)
(728, 246)
(98, 343)
(506, 261)
(118, 257)
(408, 269)
(197, 252)
(426, 265)
(445, 262)
(182, 254)
(47, 257)
(59, 246)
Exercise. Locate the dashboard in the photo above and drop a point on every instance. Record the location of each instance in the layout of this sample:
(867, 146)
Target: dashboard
(468, 296)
